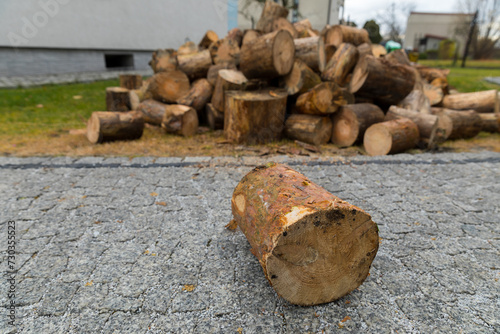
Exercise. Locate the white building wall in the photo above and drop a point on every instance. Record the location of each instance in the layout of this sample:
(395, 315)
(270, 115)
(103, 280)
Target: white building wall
(109, 24)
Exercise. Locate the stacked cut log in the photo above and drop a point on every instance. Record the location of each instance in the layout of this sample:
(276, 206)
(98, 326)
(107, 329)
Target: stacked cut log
(334, 83)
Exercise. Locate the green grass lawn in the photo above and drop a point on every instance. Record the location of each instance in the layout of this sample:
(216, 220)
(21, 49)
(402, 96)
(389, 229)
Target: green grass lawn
(50, 109)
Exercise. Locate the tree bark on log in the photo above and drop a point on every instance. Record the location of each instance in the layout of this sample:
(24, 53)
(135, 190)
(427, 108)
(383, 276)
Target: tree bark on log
(418, 101)
(465, 123)
(236, 35)
(209, 38)
(249, 35)
(225, 51)
(268, 56)
(382, 80)
(351, 122)
(152, 111)
(108, 126)
(164, 60)
(311, 129)
(391, 137)
(433, 93)
(195, 65)
(117, 99)
(365, 49)
(213, 71)
(300, 79)
(270, 12)
(169, 86)
(254, 117)
(313, 246)
(399, 57)
(199, 95)
(304, 28)
(339, 34)
(482, 102)
(187, 48)
(325, 53)
(428, 125)
(282, 23)
(227, 80)
(322, 99)
(215, 118)
(490, 122)
(306, 49)
(131, 81)
(180, 120)
(341, 64)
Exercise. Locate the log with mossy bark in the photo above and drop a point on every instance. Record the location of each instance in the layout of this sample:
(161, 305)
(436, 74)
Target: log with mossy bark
(311, 129)
(269, 56)
(391, 137)
(382, 80)
(180, 120)
(106, 126)
(341, 64)
(254, 117)
(465, 123)
(482, 101)
(351, 122)
(313, 246)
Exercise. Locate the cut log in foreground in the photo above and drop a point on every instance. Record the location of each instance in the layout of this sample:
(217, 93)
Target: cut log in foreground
(195, 65)
(108, 126)
(341, 64)
(322, 99)
(180, 120)
(117, 99)
(484, 101)
(428, 125)
(351, 122)
(306, 49)
(198, 96)
(227, 80)
(391, 137)
(465, 123)
(300, 79)
(339, 34)
(268, 56)
(313, 246)
(131, 81)
(152, 111)
(254, 117)
(311, 129)
(169, 86)
(215, 118)
(382, 80)
(490, 122)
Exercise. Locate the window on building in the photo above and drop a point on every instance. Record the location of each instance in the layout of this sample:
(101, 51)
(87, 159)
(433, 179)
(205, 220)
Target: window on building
(119, 60)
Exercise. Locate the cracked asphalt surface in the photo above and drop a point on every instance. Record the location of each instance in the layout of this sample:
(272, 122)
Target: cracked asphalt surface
(112, 245)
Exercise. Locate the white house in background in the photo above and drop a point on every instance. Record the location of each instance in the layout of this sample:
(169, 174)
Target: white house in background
(319, 12)
(424, 31)
(64, 36)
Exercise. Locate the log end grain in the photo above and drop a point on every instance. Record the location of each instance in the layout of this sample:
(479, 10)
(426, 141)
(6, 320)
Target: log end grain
(391, 137)
(283, 52)
(345, 129)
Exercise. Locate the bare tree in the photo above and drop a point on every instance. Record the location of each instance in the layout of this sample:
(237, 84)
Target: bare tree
(487, 32)
(393, 19)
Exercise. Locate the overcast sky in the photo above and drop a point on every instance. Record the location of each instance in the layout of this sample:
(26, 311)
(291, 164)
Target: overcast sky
(360, 11)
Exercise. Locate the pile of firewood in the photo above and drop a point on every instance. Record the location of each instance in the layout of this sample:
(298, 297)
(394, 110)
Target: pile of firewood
(289, 79)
